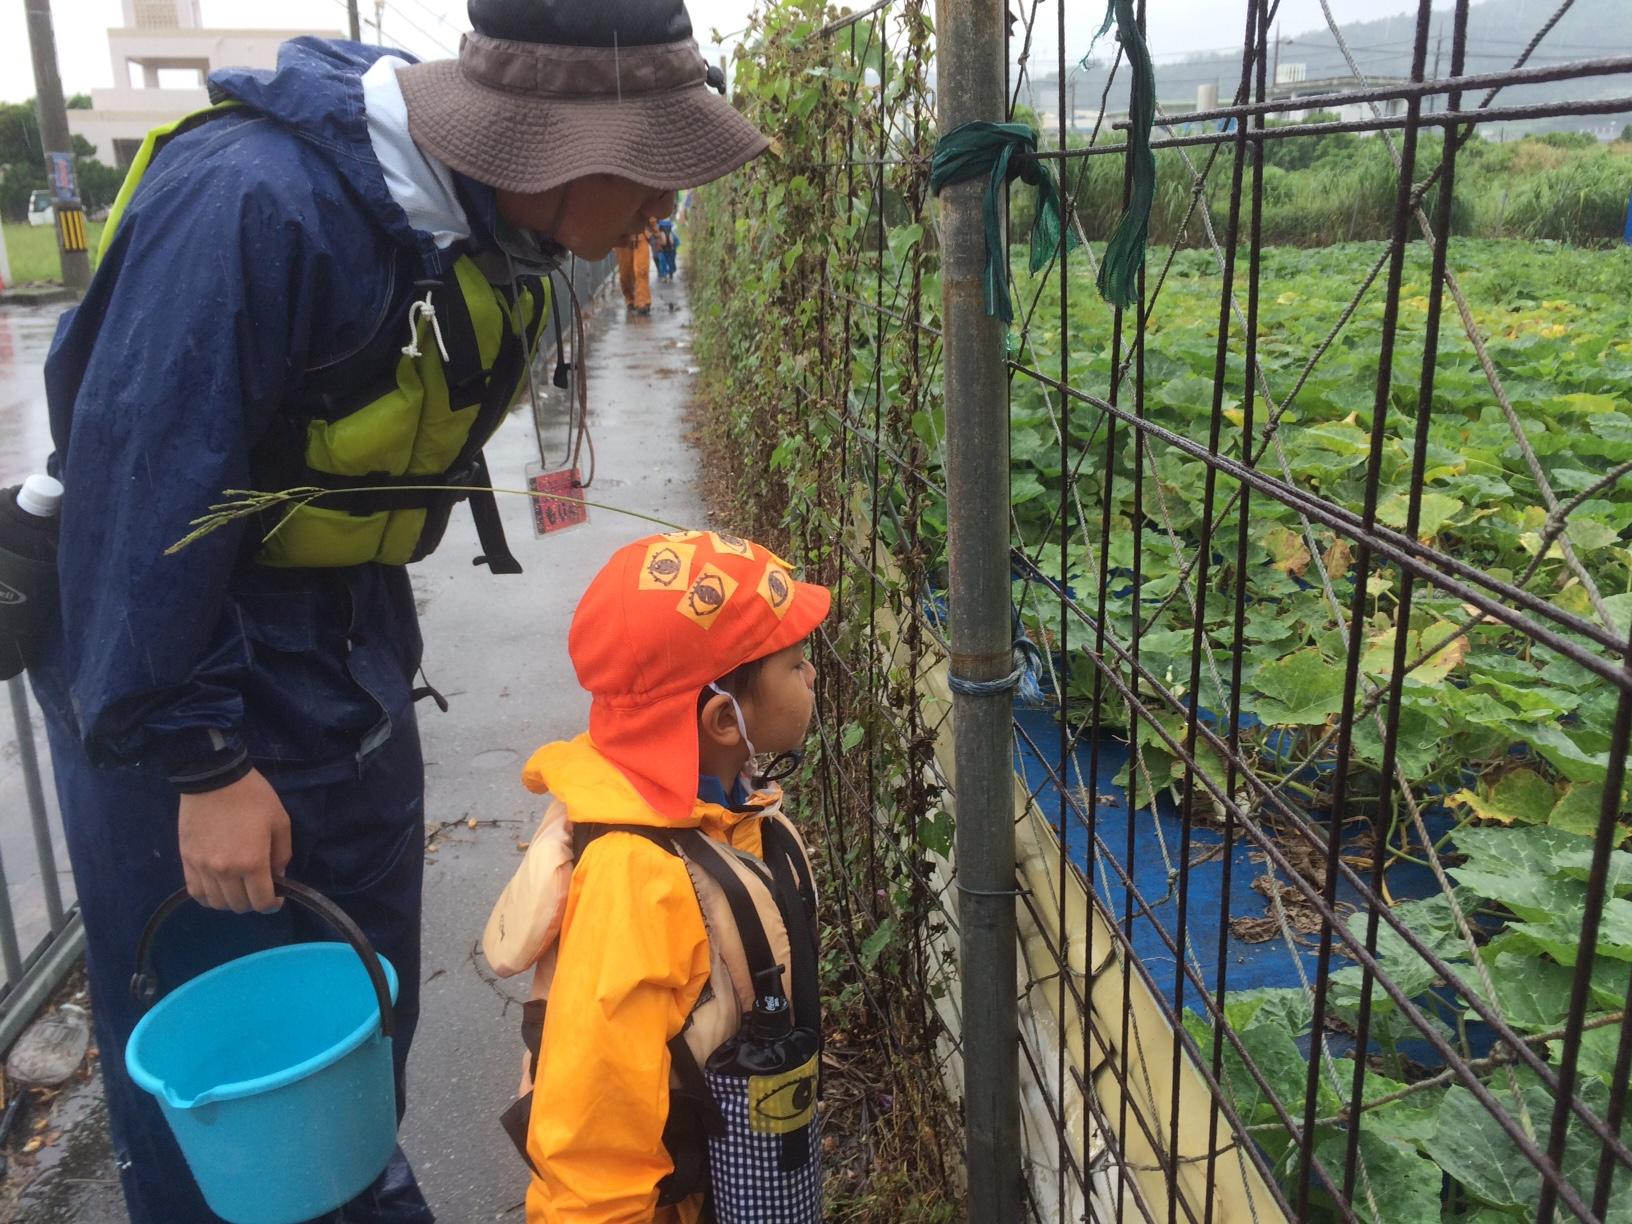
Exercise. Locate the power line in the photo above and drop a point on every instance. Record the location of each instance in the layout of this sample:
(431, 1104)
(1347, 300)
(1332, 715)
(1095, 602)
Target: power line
(399, 15)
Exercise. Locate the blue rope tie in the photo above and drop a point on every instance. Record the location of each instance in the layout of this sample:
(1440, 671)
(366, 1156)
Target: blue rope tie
(1023, 680)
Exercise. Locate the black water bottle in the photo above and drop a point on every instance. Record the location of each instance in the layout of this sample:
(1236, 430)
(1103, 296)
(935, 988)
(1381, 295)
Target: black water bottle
(28, 569)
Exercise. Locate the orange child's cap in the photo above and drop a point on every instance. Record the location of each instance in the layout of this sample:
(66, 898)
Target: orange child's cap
(665, 617)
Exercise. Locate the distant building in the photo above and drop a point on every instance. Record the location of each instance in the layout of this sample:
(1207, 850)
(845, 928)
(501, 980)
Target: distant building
(1292, 81)
(161, 58)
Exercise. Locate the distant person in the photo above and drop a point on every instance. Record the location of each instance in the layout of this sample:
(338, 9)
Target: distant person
(665, 248)
(635, 267)
(271, 310)
(665, 907)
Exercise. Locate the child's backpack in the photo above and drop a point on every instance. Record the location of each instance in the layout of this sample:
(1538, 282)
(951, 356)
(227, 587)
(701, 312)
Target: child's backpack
(742, 1122)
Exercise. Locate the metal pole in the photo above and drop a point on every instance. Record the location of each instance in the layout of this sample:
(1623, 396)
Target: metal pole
(971, 87)
(76, 264)
(11, 957)
(355, 23)
(36, 801)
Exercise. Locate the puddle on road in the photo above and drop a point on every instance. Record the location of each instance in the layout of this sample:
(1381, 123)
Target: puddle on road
(73, 1180)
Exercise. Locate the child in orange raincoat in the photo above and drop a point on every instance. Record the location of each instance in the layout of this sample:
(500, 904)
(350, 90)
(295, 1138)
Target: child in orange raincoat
(692, 646)
(635, 268)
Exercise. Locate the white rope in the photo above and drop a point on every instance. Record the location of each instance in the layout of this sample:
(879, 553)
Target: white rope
(419, 312)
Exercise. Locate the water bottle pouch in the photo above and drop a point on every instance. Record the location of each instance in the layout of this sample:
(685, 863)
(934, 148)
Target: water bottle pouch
(765, 1167)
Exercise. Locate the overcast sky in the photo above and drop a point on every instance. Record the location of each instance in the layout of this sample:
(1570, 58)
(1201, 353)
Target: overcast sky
(431, 28)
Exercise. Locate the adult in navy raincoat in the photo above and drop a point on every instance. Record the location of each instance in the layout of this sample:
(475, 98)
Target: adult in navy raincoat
(216, 722)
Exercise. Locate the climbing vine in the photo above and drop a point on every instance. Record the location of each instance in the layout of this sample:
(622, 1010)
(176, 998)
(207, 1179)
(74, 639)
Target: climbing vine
(815, 296)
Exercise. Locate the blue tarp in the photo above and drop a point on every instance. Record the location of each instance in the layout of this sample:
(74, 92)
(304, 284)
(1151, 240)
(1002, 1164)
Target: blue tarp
(1155, 875)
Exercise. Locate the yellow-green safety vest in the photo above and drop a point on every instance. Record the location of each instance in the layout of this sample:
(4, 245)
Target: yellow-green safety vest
(425, 427)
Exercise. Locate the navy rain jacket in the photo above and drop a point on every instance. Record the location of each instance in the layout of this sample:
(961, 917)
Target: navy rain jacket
(262, 256)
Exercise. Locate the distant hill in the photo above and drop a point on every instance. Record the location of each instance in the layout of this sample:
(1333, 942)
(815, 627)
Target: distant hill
(1497, 31)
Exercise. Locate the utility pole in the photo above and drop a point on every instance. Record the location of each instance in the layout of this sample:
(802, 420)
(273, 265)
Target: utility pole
(1275, 68)
(971, 88)
(356, 24)
(72, 248)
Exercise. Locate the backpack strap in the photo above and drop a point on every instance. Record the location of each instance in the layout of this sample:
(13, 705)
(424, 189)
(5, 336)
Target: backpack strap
(789, 869)
(698, 848)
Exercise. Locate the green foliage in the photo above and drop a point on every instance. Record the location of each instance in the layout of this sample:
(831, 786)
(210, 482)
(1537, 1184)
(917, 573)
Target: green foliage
(1512, 732)
(32, 250)
(1535, 877)
(831, 413)
(812, 401)
(22, 162)
(1340, 188)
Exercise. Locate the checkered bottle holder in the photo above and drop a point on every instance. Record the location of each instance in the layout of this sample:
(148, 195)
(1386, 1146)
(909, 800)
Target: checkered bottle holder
(764, 1163)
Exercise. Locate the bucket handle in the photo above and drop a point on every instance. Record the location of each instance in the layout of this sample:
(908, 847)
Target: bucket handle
(144, 985)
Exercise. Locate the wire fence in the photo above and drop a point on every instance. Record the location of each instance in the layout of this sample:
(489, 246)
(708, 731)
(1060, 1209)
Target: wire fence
(1321, 902)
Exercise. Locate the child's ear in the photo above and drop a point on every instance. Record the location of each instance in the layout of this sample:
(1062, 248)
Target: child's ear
(717, 723)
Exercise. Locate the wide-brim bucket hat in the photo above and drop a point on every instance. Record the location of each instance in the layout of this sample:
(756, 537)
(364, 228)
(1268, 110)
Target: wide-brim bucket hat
(547, 91)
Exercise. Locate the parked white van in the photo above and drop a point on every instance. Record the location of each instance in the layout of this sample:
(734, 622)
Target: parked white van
(40, 211)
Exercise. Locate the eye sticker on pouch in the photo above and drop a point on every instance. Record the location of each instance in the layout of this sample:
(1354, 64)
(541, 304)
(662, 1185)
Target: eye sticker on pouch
(781, 1104)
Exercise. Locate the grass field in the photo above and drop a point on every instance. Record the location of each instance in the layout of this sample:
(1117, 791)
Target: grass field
(32, 251)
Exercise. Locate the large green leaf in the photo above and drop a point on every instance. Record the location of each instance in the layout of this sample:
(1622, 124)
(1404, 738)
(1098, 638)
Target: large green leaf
(1301, 689)
(1565, 754)
(1471, 1146)
(1520, 796)
(1402, 1184)
(1436, 510)
(1531, 994)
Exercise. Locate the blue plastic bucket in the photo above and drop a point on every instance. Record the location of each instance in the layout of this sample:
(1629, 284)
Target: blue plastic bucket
(274, 1072)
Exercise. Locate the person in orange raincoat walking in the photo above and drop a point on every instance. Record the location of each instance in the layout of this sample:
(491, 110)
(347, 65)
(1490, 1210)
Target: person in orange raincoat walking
(665, 905)
(635, 267)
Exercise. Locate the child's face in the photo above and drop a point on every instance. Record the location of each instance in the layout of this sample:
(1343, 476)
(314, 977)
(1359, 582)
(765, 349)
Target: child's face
(779, 703)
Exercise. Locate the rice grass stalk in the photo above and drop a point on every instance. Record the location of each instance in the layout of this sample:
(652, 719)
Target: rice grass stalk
(248, 503)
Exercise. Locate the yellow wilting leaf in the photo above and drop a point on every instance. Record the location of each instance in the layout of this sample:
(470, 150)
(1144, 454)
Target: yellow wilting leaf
(1286, 547)
(1520, 795)
(1338, 558)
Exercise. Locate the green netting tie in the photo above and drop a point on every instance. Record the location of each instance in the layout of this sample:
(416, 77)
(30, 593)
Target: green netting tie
(1125, 252)
(974, 149)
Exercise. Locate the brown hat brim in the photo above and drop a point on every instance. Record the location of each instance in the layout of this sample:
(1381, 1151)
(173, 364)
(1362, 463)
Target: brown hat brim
(678, 138)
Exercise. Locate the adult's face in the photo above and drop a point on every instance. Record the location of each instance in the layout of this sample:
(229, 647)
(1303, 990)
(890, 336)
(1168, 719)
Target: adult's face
(588, 215)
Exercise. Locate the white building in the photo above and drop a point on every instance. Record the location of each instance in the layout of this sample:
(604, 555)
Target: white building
(161, 57)
(1292, 81)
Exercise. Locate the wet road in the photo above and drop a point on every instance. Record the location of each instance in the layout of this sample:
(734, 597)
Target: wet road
(25, 442)
(496, 647)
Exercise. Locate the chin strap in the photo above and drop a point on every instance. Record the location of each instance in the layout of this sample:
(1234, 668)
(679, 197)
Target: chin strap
(736, 709)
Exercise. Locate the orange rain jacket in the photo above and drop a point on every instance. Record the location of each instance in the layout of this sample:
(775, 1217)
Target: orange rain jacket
(631, 961)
